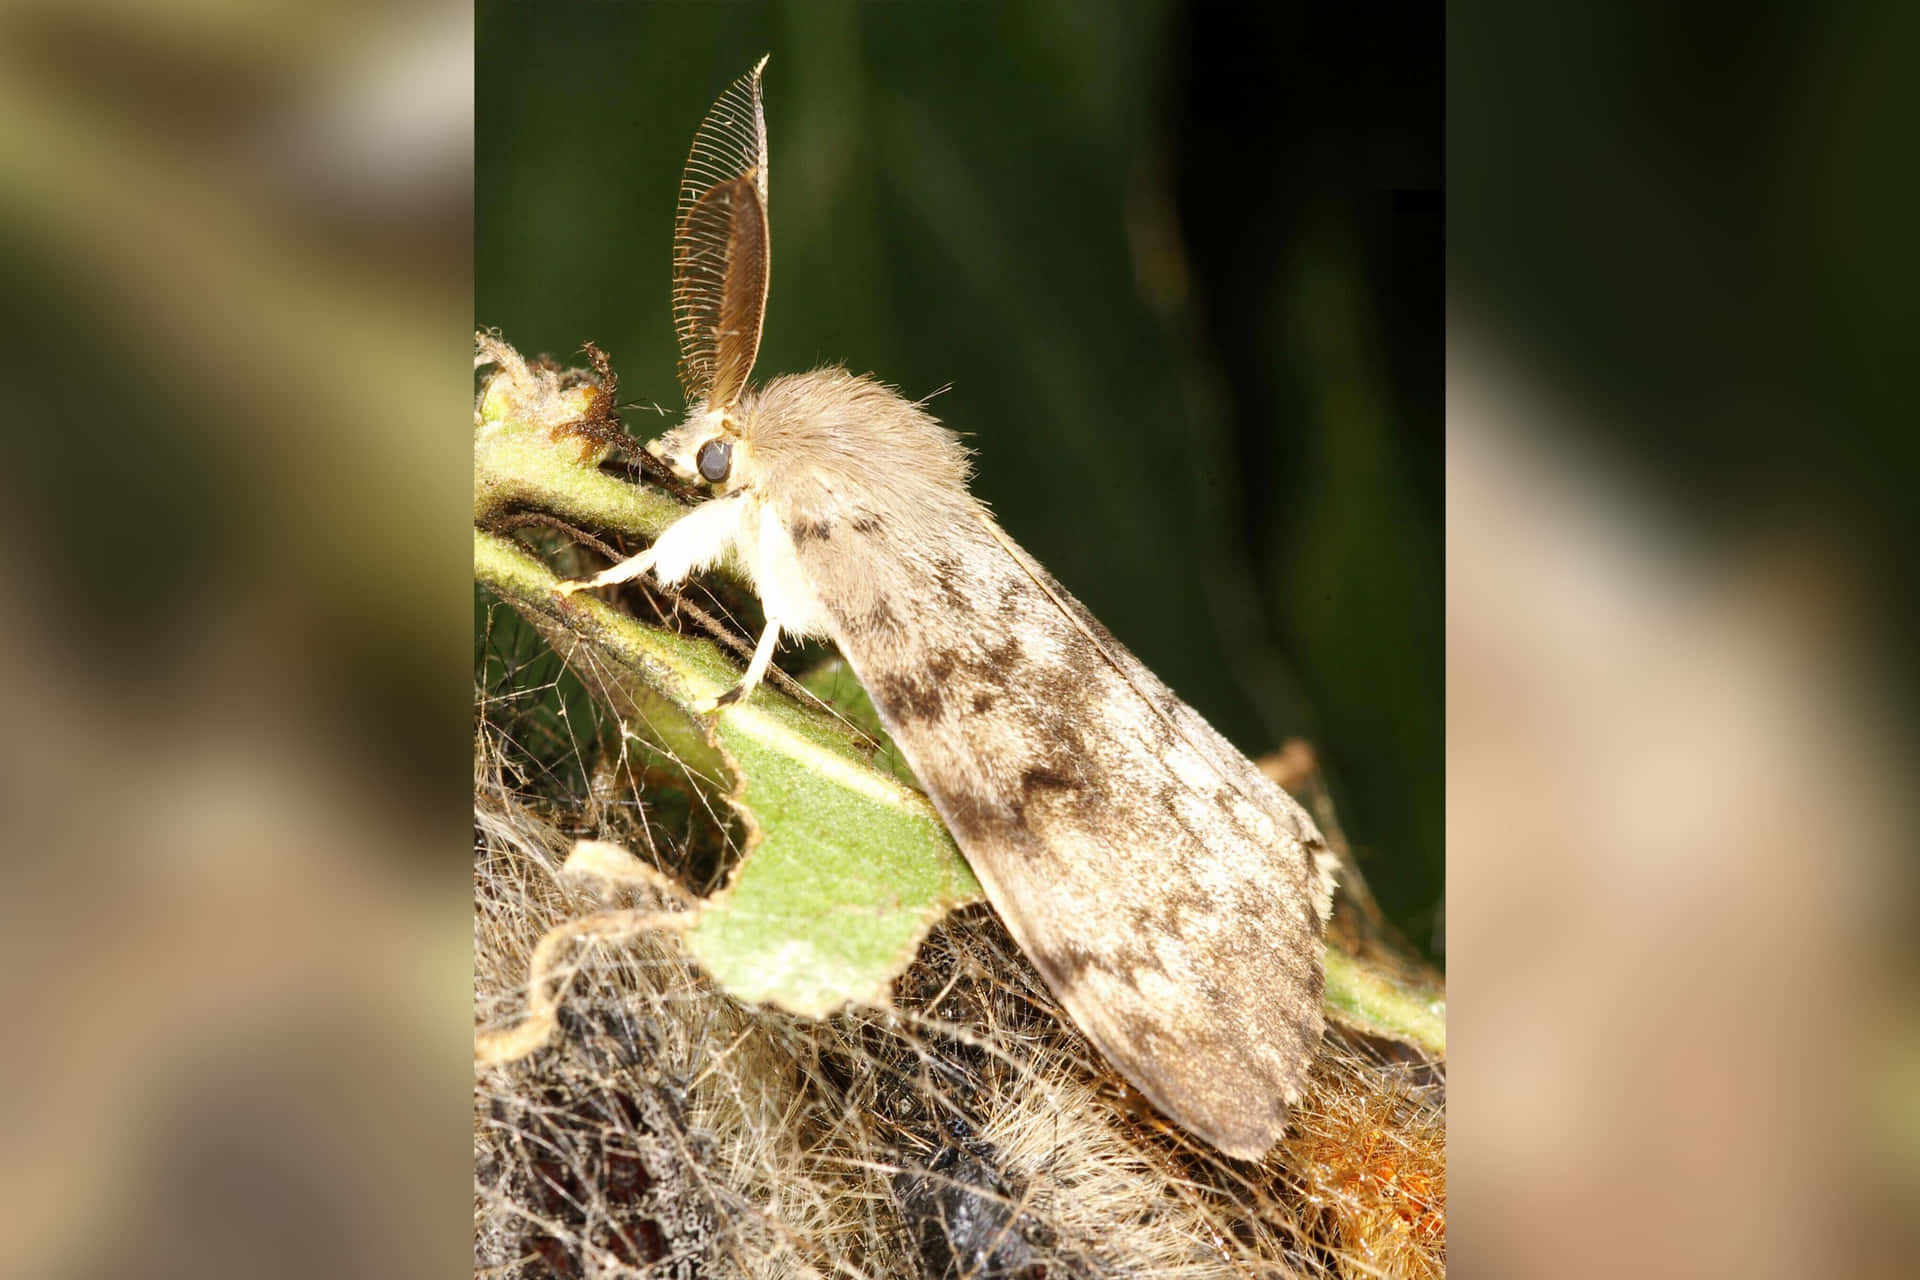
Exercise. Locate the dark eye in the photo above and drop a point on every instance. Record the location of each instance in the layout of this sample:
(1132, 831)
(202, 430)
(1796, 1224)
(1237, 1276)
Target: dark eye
(715, 459)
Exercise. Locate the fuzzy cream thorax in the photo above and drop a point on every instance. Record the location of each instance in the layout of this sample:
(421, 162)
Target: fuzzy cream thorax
(828, 432)
(813, 451)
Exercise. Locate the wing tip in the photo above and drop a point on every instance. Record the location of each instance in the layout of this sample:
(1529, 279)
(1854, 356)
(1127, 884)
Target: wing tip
(1249, 1135)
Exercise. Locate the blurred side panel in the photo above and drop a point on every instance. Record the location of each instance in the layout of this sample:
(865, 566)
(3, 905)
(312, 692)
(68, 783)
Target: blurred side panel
(235, 248)
(1680, 698)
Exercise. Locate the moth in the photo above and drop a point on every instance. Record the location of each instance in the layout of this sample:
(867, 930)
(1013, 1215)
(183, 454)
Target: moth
(1172, 896)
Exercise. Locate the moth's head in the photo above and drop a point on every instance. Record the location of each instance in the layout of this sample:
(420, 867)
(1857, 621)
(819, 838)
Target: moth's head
(709, 447)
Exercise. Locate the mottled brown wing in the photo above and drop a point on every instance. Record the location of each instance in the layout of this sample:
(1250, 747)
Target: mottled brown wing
(1171, 895)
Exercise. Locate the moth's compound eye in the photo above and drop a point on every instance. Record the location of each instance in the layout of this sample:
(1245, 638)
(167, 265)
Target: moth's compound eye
(715, 460)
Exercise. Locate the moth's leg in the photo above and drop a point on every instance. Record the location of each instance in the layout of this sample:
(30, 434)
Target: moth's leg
(688, 545)
(631, 567)
(756, 669)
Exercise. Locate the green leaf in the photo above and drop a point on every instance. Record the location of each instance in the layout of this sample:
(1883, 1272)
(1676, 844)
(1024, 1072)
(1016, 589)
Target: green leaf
(834, 683)
(529, 451)
(846, 866)
(1370, 998)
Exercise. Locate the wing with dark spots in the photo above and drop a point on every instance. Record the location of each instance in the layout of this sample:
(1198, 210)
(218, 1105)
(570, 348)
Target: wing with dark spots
(1171, 895)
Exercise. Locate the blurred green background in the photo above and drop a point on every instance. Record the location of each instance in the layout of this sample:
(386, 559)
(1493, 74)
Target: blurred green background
(1180, 269)
(1697, 222)
(1685, 289)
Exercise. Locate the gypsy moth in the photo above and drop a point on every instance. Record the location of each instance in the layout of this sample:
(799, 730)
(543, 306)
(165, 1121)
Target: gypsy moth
(1171, 895)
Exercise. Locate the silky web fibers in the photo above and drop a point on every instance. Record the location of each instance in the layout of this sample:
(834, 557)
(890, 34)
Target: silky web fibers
(663, 1129)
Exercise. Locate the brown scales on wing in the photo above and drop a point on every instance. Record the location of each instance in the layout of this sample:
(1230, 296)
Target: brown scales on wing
(1167, 891)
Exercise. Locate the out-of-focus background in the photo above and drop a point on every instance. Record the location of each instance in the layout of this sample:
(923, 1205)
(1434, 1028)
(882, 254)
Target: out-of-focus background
(1178, 269)
(234, 612)
(1680, 717)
